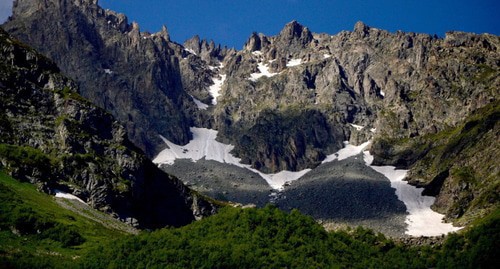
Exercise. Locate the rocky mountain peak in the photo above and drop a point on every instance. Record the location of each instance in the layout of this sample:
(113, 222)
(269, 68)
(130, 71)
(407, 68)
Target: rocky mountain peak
(164, 33)
(253, 43)
(361, 28)
(295, 33)
(104, 53)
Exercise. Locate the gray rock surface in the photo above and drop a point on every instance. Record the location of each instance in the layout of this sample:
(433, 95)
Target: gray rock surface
(347, 192)
(54, 138)
(223, 182)
(338, 193)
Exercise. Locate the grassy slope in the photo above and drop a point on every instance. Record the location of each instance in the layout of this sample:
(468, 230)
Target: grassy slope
(22, 203)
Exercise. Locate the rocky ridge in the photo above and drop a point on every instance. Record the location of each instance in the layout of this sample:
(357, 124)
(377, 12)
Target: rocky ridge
(53, 137)
(145, 80)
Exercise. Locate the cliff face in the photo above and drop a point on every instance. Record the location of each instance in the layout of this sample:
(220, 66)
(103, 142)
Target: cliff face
(397, 86)
(137, 76)
(53, 137)
(284, 101)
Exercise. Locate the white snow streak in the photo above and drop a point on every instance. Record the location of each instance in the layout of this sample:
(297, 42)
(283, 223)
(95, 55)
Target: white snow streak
(263, 71)
(422, 221)
(358, 127)
(108, 71)
(326, 56)
(199, 104)
(348, 151)
(294, 62)
(215, 89)
(382, 93)
(190, 51)
(60, 194)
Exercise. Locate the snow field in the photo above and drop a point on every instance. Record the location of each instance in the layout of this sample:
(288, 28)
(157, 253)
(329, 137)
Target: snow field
(346, 152)
(293, 62)
(422, 221)
(205, 146)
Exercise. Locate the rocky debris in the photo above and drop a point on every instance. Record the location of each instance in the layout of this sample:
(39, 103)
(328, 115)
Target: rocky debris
(431, 241)
(223, 182)
(347, 192)
(107, 220)
(53, 137)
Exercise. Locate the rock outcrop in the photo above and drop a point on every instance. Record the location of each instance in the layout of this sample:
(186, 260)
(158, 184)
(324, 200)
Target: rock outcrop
(53, 137)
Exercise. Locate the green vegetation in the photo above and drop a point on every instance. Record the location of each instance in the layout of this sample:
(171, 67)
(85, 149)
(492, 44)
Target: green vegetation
(486, 73)
(25, 157)
(270, 238)
(35, 232)
(70, 93)
(256, 238)
(477, 248)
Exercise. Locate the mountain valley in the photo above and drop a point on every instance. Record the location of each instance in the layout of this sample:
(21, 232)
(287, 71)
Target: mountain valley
(396, 132)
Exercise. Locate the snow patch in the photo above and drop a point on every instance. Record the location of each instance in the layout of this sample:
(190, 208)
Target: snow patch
(326, 56)
(279, 180)
(216, 88)
(60, 194)
(346, 152)
(382, 93)
(358, 127)
(257, 53)
(199, 103)
(422, 221)
(294, 62)
(205, 146)
(373, 130)
(264, 71)
(190, 51)
(108, 71)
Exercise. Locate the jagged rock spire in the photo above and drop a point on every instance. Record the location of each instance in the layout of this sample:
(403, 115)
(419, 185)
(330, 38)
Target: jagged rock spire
(253, 43)
(361, 29)
(164, 33)
(295, 31)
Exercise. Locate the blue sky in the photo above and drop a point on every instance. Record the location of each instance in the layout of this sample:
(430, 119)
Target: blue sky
(230, 22)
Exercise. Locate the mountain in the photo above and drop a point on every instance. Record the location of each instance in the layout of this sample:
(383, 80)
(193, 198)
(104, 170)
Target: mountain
(285, 102)
(56, 139)
(141, 78)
